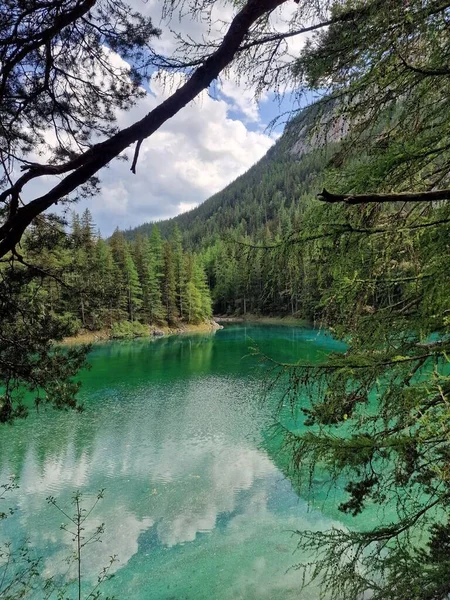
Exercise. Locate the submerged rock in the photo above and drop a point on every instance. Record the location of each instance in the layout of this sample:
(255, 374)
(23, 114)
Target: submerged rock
(158, 332)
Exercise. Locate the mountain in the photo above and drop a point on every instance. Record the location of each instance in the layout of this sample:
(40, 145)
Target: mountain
(234, 231)
(263, 196)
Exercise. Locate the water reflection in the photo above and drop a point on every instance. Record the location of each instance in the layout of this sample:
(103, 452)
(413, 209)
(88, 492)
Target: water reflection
(194, 507)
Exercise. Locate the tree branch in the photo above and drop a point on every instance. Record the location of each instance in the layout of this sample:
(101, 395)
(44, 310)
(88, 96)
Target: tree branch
(101, 154)
(436, 195)
(136, 156)
(61, 21)
(342, 17)
(425, 71)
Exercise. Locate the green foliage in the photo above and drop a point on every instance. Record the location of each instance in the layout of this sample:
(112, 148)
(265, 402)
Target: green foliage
(384, 54)
(237, 231)
(115, 283)
(195, 292)
(155, 274)
(379, 415)
(178, 265)
(128, 329)
(169, 288)
(32, 368)
(378, 275)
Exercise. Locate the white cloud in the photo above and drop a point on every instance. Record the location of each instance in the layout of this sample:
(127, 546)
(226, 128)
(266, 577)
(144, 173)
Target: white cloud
(114, 200)
(192, 156)
(186, 206)
(198, 152)
(243, 99)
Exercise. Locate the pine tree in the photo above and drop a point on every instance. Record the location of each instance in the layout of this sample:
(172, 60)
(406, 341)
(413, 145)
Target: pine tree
(48, 246)
(201, 283)
(132, 285)
(107, 277)
(196, 299)
(87, 231)
(84, 277)
(130, 299)
(140, 252)
(157, 314)
(178, 260)
(80, 272)
(152, 309)
(169, 293)
(76, 230)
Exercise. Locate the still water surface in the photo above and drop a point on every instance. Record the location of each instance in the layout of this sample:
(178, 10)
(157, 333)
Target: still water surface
(195, 506)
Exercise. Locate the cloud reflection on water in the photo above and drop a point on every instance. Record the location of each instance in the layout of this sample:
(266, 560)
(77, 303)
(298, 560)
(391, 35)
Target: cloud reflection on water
(186, 483)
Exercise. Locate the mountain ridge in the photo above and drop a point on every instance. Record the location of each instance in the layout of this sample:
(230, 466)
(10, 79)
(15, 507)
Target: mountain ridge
(294, 161)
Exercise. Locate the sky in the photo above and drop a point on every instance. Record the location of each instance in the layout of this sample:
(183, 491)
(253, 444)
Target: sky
(195, 154)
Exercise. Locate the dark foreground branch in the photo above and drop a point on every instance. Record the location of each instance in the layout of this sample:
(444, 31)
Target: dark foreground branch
(100, 155)
(437, 195)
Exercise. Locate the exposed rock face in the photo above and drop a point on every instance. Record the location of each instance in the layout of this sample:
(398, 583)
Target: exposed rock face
(304, 133)
(307, 141)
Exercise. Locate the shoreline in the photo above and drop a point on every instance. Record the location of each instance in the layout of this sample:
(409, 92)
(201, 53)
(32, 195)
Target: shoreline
(104, 335)
(287, 321)
(216, 323)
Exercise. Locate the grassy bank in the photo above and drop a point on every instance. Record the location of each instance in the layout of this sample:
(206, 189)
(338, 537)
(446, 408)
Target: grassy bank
(90, 337)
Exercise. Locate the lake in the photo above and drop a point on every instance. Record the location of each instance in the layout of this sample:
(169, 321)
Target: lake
(176, 432)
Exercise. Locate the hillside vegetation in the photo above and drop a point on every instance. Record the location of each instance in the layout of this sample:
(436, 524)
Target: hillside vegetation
(114, 284)
(269, 203)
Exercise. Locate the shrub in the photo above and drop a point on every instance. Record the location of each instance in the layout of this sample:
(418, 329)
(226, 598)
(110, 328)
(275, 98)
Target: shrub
(127, 330)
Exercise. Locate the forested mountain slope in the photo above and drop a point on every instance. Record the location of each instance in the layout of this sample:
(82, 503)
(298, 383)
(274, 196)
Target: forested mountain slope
(268, 194)
(263, 206)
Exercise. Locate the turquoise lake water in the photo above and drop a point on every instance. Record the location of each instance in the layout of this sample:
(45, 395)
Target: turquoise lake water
(175, 431)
